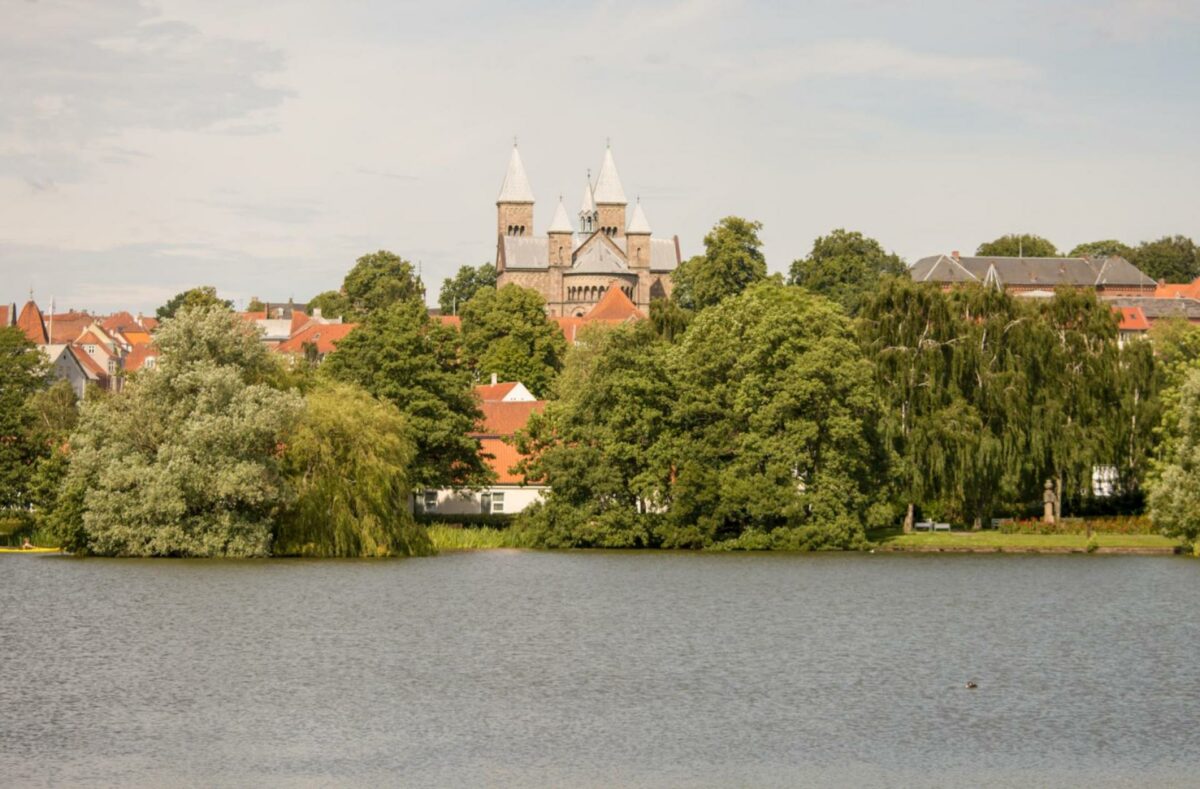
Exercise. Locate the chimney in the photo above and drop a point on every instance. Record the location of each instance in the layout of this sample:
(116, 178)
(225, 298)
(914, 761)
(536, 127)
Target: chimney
(954, 254)
(316, 313)
(493, 379)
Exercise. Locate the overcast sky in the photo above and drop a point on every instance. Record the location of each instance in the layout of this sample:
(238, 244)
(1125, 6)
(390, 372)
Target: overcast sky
(261, 147)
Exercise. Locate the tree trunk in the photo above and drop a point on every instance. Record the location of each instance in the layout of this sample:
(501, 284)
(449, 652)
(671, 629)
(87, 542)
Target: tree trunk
(1058, 499)
(977, 524)
(908, 519)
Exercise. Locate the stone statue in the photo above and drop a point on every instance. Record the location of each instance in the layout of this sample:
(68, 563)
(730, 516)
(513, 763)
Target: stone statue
(1049, 499)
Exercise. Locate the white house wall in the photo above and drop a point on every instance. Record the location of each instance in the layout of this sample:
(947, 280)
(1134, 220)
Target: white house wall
(466, 502)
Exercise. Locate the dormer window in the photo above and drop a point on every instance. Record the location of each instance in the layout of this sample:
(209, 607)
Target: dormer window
(91, 349)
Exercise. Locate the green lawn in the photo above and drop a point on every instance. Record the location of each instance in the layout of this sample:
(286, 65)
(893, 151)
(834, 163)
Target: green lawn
(992, 540)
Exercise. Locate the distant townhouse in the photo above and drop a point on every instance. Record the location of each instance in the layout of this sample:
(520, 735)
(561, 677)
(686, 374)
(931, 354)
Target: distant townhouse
(506, 408)
(315, 341)
(1110, 277)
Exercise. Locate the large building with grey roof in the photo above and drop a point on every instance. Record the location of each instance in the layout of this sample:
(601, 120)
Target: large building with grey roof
(578, 260)
(1110, 276)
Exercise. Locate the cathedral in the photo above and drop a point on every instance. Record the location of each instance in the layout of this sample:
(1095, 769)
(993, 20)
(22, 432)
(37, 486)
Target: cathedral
(575, 263)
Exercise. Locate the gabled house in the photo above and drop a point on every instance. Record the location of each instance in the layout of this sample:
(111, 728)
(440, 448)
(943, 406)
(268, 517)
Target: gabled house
(66, 364)
(502, 418)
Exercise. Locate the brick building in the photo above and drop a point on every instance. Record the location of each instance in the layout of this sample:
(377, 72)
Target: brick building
(575, 263)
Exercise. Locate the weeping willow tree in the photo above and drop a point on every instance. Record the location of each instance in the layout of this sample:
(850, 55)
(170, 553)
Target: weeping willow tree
(349, 462)
(987, 395)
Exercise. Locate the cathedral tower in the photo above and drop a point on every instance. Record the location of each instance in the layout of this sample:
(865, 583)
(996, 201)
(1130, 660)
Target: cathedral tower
(610, 199)
(514, 206)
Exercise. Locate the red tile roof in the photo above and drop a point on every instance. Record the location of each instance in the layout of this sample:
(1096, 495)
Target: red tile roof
(504, 419)
(65, 327)
(261, 315)
(136, 359)
(6, 315)
(88, 363)
(450, 320)
(1133, 319)
(150, 323)
(1190, 290)
(501, 458)
(120, 321)
(299, 319)
(326, 336)
(614, 306)
(30, 321)
(494, 392)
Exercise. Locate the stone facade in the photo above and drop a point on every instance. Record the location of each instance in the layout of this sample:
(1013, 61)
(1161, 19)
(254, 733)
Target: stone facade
(577, 261)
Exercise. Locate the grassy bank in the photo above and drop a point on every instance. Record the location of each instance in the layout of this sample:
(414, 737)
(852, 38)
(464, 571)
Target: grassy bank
(1024, 543)
(456, 538)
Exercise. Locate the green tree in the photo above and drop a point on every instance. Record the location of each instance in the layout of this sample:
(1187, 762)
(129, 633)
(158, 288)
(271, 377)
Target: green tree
(1169, 259)
(845, 266)
(23, 371)
(596, 444)
(204, 296)
(1106, 248)
(506, 332)
(669, 320)
(349, 462)
(774, 440)
(1174, 505)
(459, 289)
(184, 461)
(1022, 245)
(732, 261)
(332, 304)
(399, 355)
(255, 305)
(380, 280)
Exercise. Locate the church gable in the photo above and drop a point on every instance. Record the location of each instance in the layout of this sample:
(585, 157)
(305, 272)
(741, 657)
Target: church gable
(599, 255)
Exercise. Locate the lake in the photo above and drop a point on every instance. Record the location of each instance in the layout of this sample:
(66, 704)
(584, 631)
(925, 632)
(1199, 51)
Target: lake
(602, 668)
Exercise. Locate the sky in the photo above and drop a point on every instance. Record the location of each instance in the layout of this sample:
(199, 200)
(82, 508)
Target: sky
(147, 147)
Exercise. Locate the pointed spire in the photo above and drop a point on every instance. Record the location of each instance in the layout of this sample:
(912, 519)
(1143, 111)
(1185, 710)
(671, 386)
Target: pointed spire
(515, 188)
(608, 185)
(561, 222)
(589, 202)
(638, 223)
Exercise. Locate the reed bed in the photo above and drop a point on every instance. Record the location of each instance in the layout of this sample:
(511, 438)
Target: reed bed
(447, 537)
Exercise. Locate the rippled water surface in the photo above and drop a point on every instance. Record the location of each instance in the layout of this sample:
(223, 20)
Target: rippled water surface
(601, 669)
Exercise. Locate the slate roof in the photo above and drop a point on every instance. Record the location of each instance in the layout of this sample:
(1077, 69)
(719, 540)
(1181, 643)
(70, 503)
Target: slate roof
(664, 254)
(1030, 272)
(637, 222)
(528, 252)
(1157, 309)
(599, 258)
(561, 222)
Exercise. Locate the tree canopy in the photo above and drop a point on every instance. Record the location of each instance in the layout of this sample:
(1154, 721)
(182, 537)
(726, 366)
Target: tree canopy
(845, 266)
(732, 261)
(1105, 248)
(184, 460)
(755, 430)
(203, 296)
(459, 289)
(1169, 259)
(23, 372)
(507, 332)
(399, 355)
(349, 462)
(379, 280)
(1018, 245)
(1174, 505)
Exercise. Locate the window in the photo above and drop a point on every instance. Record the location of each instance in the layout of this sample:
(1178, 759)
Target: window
(429, 503)
(497, 501)
(91, 349)
(150, 361)
(485, 502)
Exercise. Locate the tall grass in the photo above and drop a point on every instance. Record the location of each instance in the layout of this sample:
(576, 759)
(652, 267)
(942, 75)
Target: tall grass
(456, 538)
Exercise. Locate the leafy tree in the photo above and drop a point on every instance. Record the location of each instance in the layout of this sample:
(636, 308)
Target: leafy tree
(184, 460)
(774, 427)
(1169, 259)
(256, 306)
(332, 304)
(732, 261)
(349, 462)
(459, 289)
(1106, 248)
(399, 355)
(204, 296)
(23, 371)
(1174, 505)
(845, 266)
(379, 280)
(506, 332)
(668, 318)
(1023, 245)
(596, 444)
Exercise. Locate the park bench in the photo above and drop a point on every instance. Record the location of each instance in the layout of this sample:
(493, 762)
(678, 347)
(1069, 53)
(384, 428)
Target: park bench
(941, 527)
(923, 526)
